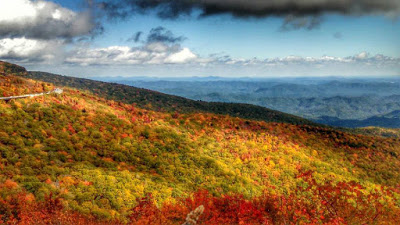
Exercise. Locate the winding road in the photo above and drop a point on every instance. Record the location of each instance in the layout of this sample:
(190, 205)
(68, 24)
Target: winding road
(57, 91)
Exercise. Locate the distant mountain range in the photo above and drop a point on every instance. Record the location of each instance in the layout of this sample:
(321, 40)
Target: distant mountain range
(349, 102)
(390, 120)
(154, 100)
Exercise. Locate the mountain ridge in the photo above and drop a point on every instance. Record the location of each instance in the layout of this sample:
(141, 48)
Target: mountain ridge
(388, 120)
(167, 102)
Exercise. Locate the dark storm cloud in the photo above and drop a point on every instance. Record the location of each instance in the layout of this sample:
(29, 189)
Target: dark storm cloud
(160, 34)
(157, 34)
(47, 29)
(307, 10)
(136, 37)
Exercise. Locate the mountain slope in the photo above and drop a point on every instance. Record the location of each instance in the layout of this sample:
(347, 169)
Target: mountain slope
(163, 102)
(312, 98)
(11, 69)
(378, 131)
(100, 158)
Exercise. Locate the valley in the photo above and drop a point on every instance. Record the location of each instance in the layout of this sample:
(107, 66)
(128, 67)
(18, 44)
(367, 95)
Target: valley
(335, 101)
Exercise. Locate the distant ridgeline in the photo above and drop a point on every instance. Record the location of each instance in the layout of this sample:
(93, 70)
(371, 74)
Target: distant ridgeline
(154, 100)
(343, 102)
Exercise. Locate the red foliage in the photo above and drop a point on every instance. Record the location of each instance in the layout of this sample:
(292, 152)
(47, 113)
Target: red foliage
(71, 129)
(312, 203)
(325, 204)
(19, 209)
(219, 210)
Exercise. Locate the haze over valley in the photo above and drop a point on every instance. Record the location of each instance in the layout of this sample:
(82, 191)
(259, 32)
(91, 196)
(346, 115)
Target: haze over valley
(347, 102)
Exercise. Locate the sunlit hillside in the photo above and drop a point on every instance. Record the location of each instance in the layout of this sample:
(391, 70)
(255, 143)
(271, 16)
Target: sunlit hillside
(77, 158)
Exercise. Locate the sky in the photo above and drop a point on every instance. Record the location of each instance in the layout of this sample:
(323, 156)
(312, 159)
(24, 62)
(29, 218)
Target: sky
(183, 38)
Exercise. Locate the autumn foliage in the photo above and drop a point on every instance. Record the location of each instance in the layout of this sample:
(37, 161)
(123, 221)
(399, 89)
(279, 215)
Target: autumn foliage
(341, 203)
(19, 207)
(77, 158)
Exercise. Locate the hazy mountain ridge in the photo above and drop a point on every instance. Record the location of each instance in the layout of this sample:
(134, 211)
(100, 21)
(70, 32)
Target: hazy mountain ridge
(355, 99)
(390, 120)
(164, 102)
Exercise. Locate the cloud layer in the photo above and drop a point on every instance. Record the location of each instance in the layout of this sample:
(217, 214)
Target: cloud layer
(41, 32)
(183, 63)
(43, 20)
(298, 13)
(161, 55)
(23, 50)
(253, 8)
(38, 31)
(152, 53)
(160, 47)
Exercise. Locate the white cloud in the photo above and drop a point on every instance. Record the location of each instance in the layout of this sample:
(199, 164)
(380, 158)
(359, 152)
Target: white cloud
(360, 59)
(168, 58)
(42, 20)
(153, 53)
(362, 55)
(17, 10)
(30, 50)
(183, 56)
(362, 64)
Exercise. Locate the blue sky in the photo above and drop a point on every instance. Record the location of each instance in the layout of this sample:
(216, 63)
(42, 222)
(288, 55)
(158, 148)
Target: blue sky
(343, 43)
(263, 38)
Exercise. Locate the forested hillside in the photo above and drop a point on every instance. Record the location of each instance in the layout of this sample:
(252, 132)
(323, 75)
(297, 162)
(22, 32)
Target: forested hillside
(377, 131)
(11, 69)
(78, 158)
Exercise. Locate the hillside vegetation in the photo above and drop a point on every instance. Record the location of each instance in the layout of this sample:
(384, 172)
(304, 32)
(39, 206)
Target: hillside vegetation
(378, 131)
(78, 158)
(11, 69)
